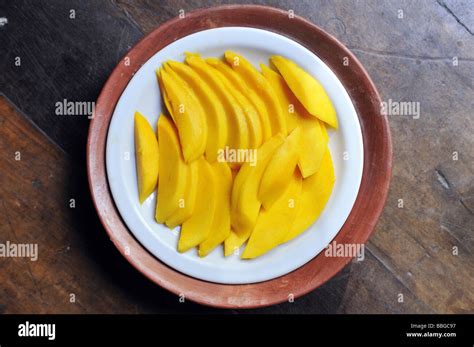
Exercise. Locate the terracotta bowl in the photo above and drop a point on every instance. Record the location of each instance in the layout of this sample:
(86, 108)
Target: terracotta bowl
(375, 179)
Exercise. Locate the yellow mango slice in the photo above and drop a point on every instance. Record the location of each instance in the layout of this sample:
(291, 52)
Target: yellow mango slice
(259, 84)
(220, 227)
(273, 224)
(187, 114)
(216, 118)
(324, 131)
(147, 156)
(164, 95)
(315, 194)
(280, 168)
(173, 172)
(198, 227)
(234, 241)
(314, 141)
(237, 82)
(307, 89)
(284, 95)
(245, 204)
(237, 136)
(251, 116)
(185, 205)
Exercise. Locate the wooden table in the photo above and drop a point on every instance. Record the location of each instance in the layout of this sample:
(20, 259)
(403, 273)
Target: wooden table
(420, 258)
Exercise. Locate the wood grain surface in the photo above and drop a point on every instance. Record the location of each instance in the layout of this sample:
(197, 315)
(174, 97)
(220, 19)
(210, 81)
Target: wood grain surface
(418, 260)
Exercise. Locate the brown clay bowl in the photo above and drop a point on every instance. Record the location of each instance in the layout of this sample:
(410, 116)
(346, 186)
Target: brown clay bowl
(376, 168)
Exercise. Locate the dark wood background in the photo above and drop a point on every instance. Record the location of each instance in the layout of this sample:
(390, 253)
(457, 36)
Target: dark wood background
(420, 258)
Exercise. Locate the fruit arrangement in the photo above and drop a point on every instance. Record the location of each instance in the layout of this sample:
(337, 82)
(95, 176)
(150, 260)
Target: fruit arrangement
(242, 157)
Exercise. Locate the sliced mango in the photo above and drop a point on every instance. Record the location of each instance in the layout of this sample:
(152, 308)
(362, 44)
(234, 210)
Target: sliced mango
(259, 84)
(147, 156)
(164, 95)
(235, 241)
(218, 194)
(285, 96)
(314, 141)
(187, 114)
(307, 89)
(324, 131)
(245, 204)
(187, 203)
(238, 83)
(273, 224)
(315, 194)
(216, 118)
(173, 173)
(196, 229)
(280, 169)
(238, 137)
(220, 227)
(251, 115)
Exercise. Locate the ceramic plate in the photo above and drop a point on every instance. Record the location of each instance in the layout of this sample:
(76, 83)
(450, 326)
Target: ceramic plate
(142, 93)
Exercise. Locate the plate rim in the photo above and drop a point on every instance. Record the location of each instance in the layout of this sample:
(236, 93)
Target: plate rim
(297, 281)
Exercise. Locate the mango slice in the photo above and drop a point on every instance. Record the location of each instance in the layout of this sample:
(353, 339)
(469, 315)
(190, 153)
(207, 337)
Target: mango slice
(198, 227)
(147, 156)
(307, 89)
(237, 82)
(235, 241)
(220, 227)
(245, 204)
(324, 131)
(315, 194)
(164, 95)
(187, 203)
(273, 224)
(259, 84)
(238, 137)
(173, 173)
(314, 142)
(216, 118)
(187, 114)
(280, 168)
(285, 96)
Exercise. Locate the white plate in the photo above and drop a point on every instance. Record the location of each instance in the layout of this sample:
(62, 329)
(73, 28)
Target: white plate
(142, 94)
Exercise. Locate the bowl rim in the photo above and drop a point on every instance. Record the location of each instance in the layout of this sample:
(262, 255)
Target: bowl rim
(373, 188)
